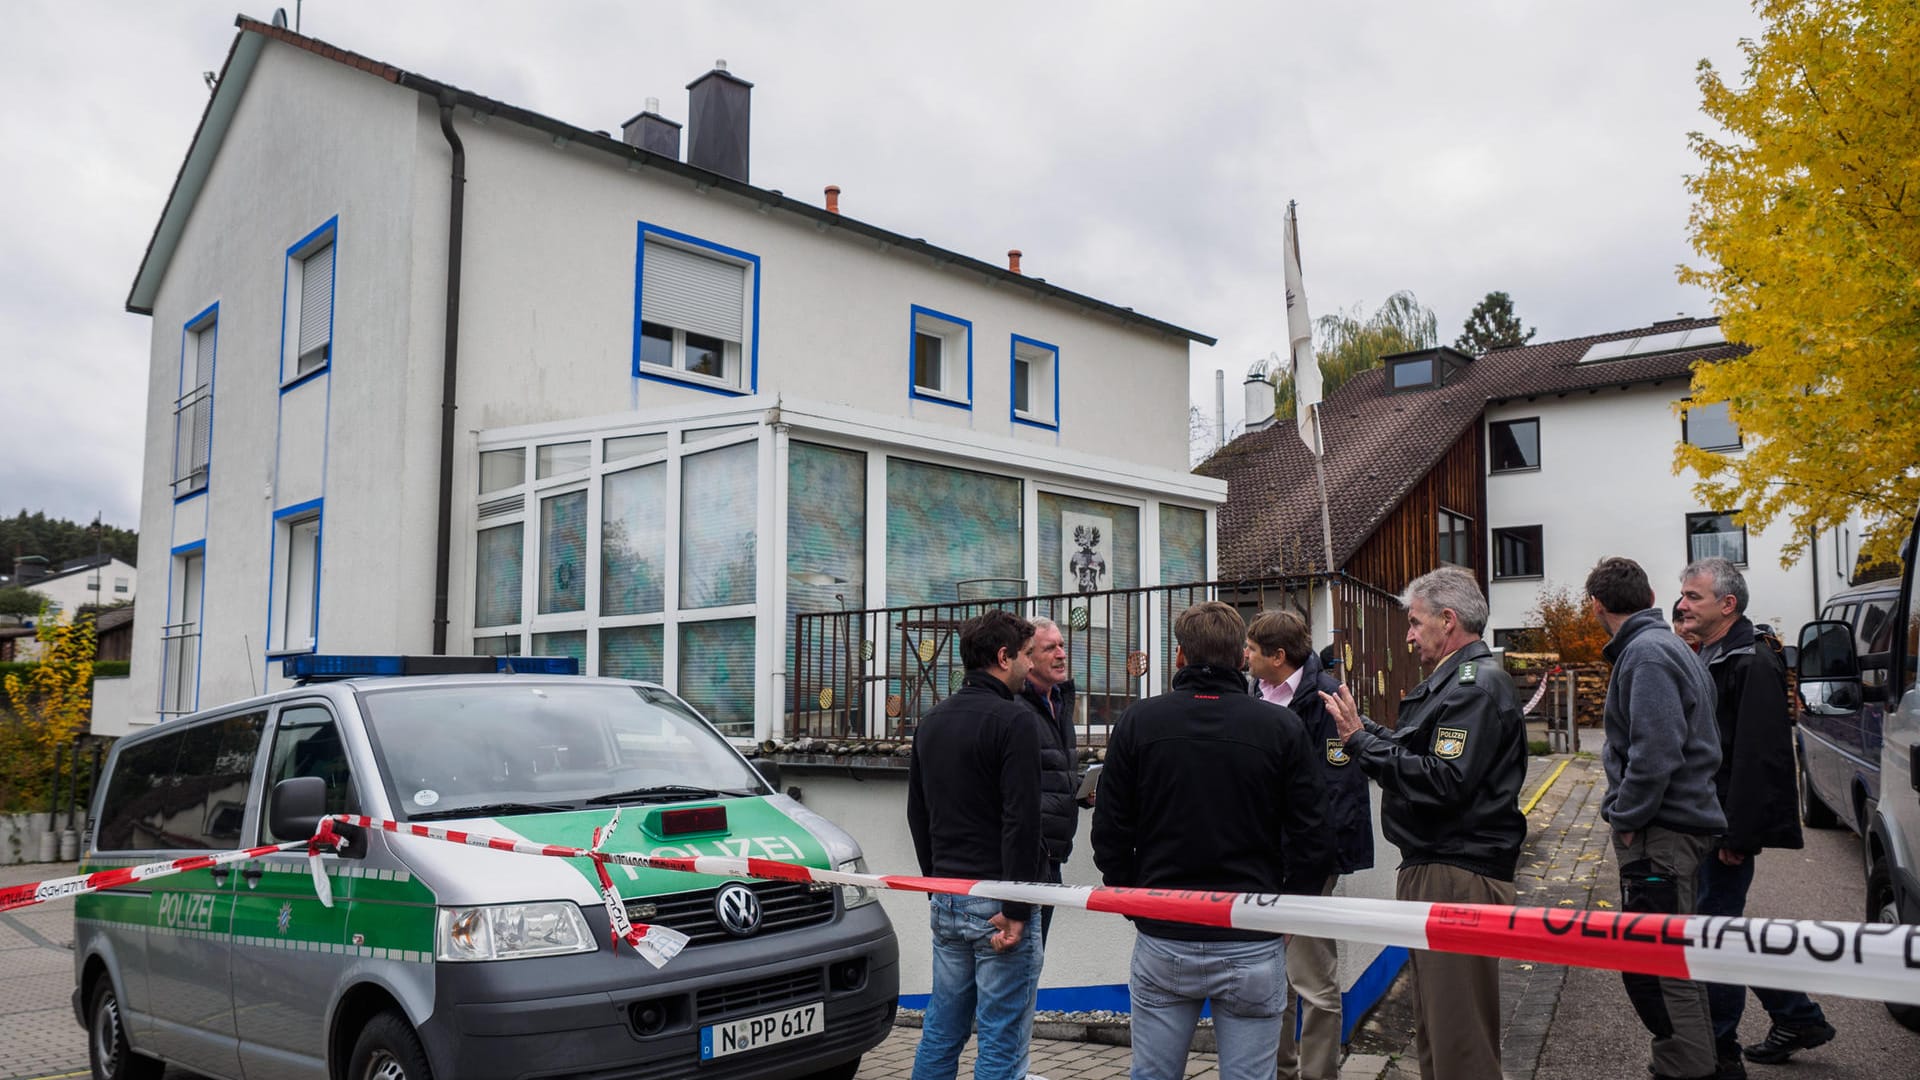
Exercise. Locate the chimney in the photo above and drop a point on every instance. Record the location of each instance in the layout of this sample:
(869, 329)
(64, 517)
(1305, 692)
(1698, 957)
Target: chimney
(1013, 259)
(833, 198)
(1259, 399)
(29, 568)
(1219, 407)
(652, 132)
(719, 110)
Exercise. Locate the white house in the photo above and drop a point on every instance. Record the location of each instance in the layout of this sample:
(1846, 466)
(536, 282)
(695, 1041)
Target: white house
(432, 372)
(99, 580)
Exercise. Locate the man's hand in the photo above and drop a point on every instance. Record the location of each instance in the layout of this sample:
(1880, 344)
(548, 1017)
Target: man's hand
(1345, 711)
(1006, 932)
(1731, 858)
(1625, 837)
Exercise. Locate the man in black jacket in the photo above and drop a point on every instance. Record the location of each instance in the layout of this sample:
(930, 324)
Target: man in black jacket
(973, 807)
(1208, 788)
(1449, 775)
(1288, 673)
(1756, 786)
(1050, 694)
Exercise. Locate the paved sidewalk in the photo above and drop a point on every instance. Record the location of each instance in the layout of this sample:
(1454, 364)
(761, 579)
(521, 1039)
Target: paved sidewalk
(38, 1035)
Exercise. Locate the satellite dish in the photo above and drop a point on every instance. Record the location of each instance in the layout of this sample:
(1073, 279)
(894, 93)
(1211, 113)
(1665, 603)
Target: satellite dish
(280, 18)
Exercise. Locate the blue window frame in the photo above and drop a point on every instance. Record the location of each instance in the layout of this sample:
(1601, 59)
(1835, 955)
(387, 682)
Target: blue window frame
(193, 407)
(939, 358)
(293, 598)
(306, 306)
(1034, 383)
(180, 631)
(696, 312)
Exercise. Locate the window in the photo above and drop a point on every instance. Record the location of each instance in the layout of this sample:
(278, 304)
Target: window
(496, 593)
(307, 331)
(1411, 374)
(306, 743)
(1456, 543)
(1515, 638)
(93, 582)
(1516, 552)
(1036, 383)
(180, 636)
(296, 592)
(193, 409)
(1714, 534)
(1513, 445)
(121, 584)
(698, 310)
(185, 789)
(502, 469)
(941, 359)
(1709, 427)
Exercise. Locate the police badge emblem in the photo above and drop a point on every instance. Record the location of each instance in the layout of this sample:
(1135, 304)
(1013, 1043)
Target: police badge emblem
(1449, 742)
(1337, 752)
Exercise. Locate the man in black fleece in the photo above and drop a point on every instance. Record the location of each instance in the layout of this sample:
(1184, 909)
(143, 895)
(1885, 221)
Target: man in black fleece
(973, 806)
(1049, 692)
(1209, 788)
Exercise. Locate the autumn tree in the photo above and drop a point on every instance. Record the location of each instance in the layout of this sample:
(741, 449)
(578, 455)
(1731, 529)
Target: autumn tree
(1563, 623)
(1347, 343)
(1807, 217)
(50, 705)
(1492, 325)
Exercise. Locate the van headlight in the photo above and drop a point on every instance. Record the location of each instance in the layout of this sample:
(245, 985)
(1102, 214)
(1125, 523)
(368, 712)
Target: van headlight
(512, 931)
(853, 896)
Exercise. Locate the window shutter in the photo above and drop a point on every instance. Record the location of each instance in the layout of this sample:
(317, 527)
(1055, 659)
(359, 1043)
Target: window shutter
(203, 354)
(692, 292)
(316, 299)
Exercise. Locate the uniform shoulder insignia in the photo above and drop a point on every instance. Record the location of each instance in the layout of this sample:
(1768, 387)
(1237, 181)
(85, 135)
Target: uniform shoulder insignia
(1449, 742)
(1468, 673)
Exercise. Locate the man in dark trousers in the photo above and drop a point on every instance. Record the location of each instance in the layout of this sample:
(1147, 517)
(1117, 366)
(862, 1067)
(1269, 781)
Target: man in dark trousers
(1049, 692)
(1206, 787)
(1756, 787)
(1449, 775)
(1287, 672)
(973, 806)
(1662, 750)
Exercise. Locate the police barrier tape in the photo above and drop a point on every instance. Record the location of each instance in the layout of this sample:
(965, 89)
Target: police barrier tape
(1876, 961)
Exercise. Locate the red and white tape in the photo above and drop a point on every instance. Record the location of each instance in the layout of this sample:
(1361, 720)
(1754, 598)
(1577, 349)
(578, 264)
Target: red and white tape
(1539, 691)
(1877, 961)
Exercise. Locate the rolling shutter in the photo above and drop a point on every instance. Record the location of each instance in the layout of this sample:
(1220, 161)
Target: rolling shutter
(316, 301)
(694, 293)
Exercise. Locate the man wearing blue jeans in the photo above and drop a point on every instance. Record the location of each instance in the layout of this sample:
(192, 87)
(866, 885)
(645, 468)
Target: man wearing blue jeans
(1207, 787)
(973, 807)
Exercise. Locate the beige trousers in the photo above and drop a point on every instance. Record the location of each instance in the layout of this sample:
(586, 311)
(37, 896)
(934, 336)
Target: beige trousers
(1456, 998)
(1313, 988)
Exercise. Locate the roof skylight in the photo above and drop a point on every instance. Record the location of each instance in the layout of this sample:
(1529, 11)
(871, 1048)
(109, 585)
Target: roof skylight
(1672, 341)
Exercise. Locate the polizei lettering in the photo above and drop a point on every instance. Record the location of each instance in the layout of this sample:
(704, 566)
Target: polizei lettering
(186, 911)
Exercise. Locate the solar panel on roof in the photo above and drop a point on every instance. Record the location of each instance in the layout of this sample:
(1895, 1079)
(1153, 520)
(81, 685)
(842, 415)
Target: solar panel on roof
(1648, 344)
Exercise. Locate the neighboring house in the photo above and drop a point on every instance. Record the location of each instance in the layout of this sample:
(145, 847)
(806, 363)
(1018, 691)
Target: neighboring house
(1526, 466)
(99, 580)
(689, 408)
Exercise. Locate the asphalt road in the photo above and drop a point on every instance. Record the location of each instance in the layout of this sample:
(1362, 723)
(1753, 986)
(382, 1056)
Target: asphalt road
(1595, 1035)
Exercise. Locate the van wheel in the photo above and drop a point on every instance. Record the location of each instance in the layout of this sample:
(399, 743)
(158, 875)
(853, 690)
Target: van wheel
(1884, 908)
(107, 1049)
(1814, 813)
(387, 1049)
(843, 1071)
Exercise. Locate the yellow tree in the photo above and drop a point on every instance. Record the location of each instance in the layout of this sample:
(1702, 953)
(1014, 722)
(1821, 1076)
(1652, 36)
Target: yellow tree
(51, 704)
(1808, 217)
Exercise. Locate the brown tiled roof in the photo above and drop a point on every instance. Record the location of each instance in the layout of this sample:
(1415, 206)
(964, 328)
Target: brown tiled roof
(1380, 444)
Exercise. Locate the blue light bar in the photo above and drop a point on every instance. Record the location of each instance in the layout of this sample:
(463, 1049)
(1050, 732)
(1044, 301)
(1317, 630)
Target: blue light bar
(314, 667)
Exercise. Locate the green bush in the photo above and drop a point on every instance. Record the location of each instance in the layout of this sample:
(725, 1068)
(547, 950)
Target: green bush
(1538, 747)
(102, 669)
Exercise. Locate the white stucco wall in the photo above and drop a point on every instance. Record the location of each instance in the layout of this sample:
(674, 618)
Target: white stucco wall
(1606, 486)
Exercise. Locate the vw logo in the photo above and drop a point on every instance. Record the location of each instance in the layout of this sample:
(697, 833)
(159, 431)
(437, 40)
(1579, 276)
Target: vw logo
(738, 909)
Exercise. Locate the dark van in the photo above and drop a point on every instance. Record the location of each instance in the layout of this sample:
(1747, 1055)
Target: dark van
(1840, 723)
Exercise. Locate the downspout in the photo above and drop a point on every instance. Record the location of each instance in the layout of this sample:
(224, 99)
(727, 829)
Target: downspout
(1813, 536)
(450, 372)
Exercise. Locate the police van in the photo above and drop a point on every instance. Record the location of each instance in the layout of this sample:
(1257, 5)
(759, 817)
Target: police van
(439, 959)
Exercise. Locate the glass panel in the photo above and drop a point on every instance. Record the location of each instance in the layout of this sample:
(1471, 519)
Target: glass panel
(563, 551)
(1408, 373)
(656, 344)
(496, 592)
(1516, 445)
(1090, 547)
(945, 526)
(926, 362)
(826, 554)
(560, 458)
(708, 434)
(566, 643)
(297, 601)
(716, 672)
(1711, 427)
(718, 515)
(633, 541)
(1022, 378)
(633, 652)
(205, 798)
(134, 794)
(1709, 535)
(633, 446)
(497, 645)
(1516, 552)
(306, 743)
(706, 356)
(502, 469)
(1183, 545)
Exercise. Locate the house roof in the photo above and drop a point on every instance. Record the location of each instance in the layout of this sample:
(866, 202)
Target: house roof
(1380, 443)
(67, 569)
(245, 53)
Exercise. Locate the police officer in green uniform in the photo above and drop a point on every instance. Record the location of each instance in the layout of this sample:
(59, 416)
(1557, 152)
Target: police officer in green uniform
(1450, 778)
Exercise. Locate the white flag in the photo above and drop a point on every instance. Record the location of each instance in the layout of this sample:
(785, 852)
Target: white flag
(1304, 369)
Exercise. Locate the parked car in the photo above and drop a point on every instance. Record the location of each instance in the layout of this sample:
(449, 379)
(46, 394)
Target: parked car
(1838, 675)
(439, 959)
(1839, 729)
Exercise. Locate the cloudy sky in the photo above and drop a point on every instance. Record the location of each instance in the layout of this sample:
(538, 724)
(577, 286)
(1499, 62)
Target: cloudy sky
(1142, 153)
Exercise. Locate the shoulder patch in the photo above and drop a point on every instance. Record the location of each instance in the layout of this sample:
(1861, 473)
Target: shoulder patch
(1449, 742)
(1469, 672)
(1337, 752)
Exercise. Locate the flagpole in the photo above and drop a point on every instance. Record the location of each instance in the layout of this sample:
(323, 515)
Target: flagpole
(1320, 475)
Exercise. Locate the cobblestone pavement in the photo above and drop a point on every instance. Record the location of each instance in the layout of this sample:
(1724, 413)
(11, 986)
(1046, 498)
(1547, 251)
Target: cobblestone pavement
(38, 1036)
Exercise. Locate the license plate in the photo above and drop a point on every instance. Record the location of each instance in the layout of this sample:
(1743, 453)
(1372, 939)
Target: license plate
(799, 1022)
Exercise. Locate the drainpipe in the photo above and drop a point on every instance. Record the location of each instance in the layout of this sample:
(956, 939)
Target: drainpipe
(450, 371)
(1813, 536)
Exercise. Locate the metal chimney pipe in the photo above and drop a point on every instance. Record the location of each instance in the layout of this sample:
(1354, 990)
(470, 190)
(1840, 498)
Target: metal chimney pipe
(1219, 407)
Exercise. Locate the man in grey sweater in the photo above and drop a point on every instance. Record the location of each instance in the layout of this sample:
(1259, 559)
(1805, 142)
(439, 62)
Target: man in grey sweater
(1663, 748)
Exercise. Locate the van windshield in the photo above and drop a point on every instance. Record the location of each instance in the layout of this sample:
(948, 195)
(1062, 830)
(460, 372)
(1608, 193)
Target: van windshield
(521, 748)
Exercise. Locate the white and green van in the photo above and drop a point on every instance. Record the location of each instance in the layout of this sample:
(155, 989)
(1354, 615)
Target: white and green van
(438, 959)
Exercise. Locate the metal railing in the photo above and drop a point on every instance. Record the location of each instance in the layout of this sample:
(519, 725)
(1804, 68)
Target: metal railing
(179, 667)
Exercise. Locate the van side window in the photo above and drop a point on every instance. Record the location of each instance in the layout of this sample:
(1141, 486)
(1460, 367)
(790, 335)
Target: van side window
(1873, 636)
(1911, 678)
(183, 791)
(307, 743)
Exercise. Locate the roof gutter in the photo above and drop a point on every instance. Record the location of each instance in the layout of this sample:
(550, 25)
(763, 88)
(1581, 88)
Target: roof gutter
(449, 374)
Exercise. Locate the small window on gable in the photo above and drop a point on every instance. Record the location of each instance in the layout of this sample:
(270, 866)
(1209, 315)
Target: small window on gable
(941, 356)
(1709, 427)
(1411, 374)
(1036, 382)
(696, 303)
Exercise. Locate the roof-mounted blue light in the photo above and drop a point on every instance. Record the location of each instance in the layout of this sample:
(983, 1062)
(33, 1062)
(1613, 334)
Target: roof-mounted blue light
(314, 667)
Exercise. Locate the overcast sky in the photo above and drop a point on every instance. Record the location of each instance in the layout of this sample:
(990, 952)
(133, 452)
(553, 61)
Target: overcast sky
(1142, 153)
